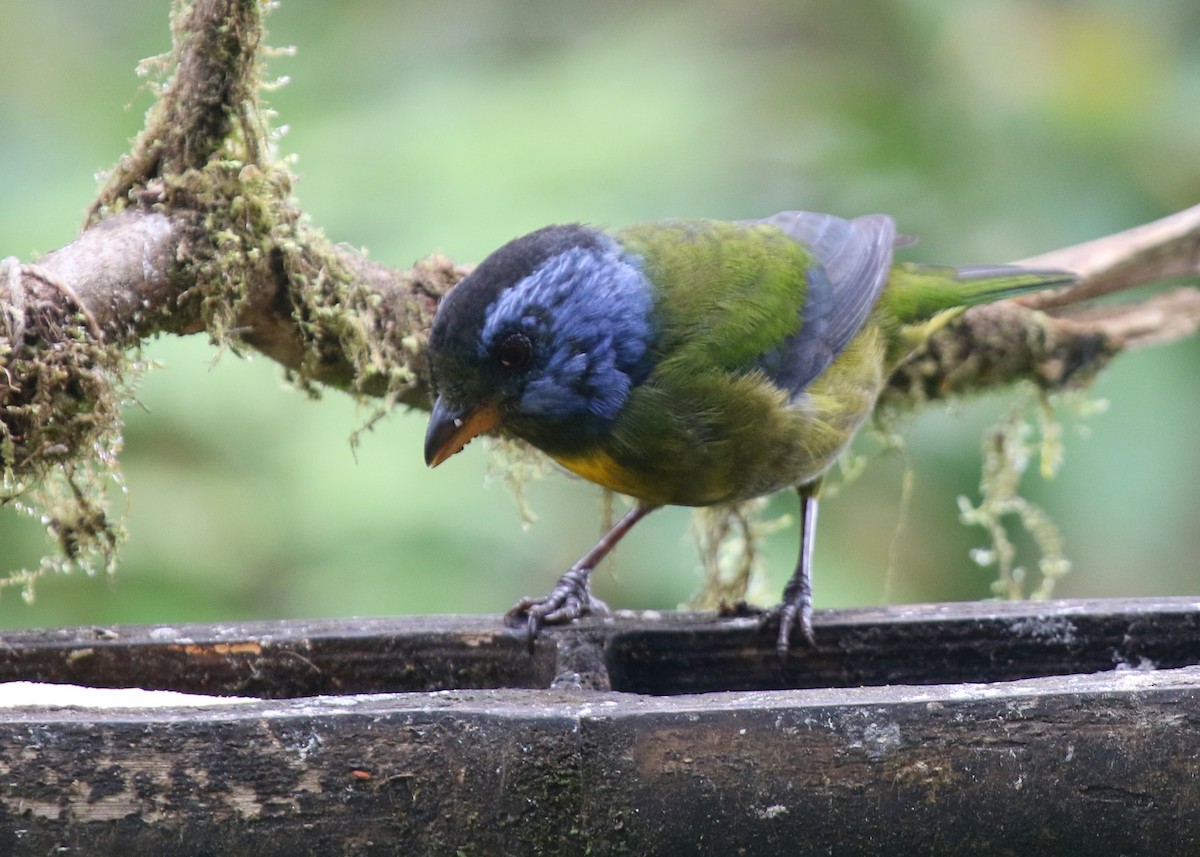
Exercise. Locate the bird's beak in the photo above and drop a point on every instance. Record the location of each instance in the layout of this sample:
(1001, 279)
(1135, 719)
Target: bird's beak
(450, 429)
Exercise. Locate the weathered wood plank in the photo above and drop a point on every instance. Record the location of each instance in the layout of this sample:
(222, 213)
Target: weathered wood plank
(659, 653)
(921, 644)
(1102, 764)
(283, 659)
(1065, 763)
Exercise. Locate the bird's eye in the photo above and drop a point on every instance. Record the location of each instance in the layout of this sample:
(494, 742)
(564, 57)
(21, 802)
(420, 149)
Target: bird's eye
(514, 352)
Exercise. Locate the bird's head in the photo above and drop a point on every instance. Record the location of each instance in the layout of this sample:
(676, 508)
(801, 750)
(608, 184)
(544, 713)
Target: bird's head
(543, 340)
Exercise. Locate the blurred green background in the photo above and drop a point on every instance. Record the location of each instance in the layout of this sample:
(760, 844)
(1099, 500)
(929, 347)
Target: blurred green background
(993, 129)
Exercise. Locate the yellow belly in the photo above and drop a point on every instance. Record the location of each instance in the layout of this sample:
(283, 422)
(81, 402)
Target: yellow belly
(754, 442)
(599, 467)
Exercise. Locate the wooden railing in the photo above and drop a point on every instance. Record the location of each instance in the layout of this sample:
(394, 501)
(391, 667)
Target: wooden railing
(988, 728)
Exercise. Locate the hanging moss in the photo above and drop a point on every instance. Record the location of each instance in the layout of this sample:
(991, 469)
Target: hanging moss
(206, 155)
(728, 540)
(61, 392)
(1031, 431)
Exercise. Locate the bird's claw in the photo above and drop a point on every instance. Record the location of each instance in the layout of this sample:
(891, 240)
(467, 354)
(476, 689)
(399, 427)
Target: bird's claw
(791, 614)
(570, 599)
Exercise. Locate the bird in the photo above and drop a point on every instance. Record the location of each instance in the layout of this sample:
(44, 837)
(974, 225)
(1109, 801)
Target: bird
(690, 362)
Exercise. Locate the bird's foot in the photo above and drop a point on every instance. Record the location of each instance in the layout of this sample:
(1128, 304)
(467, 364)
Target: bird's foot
(792, 613)
(570, 599)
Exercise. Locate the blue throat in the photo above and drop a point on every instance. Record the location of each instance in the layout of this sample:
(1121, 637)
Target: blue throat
(589, 311)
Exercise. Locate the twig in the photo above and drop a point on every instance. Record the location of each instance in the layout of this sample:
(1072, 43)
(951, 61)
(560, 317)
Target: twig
(1150, 253)
(1159, 320)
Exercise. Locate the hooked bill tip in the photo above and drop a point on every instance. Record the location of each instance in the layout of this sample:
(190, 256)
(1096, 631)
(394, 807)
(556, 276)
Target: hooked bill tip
(451, 429)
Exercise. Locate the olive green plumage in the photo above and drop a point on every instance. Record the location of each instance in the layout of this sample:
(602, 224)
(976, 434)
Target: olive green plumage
(691, 362)
(707, 426)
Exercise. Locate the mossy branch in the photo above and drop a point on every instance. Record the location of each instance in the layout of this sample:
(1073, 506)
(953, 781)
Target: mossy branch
(196, 230)
(1053, 341)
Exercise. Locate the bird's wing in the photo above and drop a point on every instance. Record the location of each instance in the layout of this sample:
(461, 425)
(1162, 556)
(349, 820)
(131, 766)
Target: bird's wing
(853, 258)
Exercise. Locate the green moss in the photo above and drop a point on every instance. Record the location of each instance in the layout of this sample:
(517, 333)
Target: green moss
(206, 154)
(1032, 430)
(60, 432)
(727, 540)
(62, 384)
(516, 464)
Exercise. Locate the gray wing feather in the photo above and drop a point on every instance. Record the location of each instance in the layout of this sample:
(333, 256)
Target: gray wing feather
(853, 260)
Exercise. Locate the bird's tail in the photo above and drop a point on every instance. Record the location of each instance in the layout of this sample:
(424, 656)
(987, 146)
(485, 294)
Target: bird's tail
(918, 293)
(924, 298)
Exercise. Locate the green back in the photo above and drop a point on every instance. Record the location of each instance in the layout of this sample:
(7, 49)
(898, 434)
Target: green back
(725, 294)
(710, 425)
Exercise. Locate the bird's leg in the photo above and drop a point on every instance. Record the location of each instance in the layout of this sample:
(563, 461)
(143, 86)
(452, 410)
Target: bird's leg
(572, 595)
(796, 607)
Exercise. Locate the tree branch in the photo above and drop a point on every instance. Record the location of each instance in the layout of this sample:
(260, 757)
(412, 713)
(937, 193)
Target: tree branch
(1162, 250)
(212, 95)
(998, 344)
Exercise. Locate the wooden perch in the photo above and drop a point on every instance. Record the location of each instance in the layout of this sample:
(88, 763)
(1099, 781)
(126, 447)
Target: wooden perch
(968, 729)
